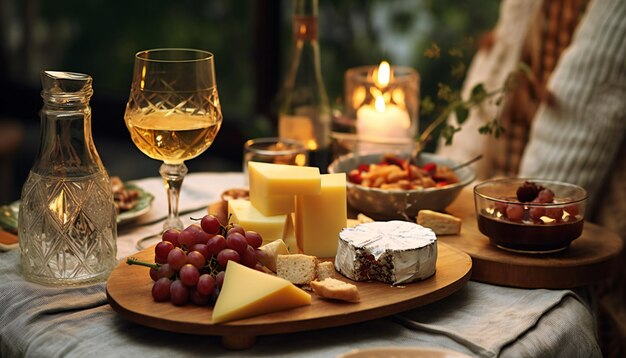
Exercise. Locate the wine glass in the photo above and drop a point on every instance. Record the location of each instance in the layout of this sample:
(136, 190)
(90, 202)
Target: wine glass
(173, 114)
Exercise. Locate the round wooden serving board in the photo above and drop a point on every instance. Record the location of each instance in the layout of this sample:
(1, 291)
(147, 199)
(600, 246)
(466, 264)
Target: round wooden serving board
(590, 258)
(129, 293)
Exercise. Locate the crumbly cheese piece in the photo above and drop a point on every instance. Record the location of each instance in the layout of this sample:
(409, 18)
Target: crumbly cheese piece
(441, 224)
(320, 217)
(247, 292)
(273, 186)
(299, 269)
(394, 252)
(269, 253)
(325, 270)
(269, 227)
(336, 289)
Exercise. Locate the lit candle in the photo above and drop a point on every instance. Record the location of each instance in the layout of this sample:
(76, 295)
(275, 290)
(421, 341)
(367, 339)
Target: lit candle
(382, 121)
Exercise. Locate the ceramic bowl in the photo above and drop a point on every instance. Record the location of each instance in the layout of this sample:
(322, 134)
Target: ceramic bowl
(529, 227)
(382, 204)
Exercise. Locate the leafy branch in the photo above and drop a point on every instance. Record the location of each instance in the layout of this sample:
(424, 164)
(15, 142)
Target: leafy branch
(461, 107)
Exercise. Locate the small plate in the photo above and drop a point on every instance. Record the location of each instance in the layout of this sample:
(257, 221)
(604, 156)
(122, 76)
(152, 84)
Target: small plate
(144, 204)
(400, 352)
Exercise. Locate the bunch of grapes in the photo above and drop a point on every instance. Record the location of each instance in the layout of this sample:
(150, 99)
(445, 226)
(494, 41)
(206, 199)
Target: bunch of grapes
(189, 265)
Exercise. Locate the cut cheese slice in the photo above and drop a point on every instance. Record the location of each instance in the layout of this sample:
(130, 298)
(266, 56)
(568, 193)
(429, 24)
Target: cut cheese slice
(441, 224)
(269, 227)
(320, 217)
(273, 186)
(247, 293)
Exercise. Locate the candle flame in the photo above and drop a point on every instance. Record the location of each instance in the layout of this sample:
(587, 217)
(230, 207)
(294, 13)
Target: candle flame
(380, 104)
(384, 74)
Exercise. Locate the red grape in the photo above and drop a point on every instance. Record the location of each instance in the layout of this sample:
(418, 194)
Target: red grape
(177, 258)
(161, 289)
(189, 275)
(162, 249)
(501, 207)
(216, 244)
(254, 239)
(215, 295)
(572, 209)
(210, 224)
(515, 212)
(154, 274)
(555, 213)
(199, 299)
(537, 212)
(227, 255)
(187, 238)
(166, 271)
(201, 248)
(196, 259)
(159, 260)
(171, 235)
(236, 228)
(545, 196)
(179, 293)
(219, 279)
(249, 257)
(237, 242)
(206, 284)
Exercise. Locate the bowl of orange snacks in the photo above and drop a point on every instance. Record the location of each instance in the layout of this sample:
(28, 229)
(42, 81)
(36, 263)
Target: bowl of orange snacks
(389, 186)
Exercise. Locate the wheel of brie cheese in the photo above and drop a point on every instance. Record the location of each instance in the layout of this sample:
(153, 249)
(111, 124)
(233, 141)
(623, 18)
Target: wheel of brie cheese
(395, 252)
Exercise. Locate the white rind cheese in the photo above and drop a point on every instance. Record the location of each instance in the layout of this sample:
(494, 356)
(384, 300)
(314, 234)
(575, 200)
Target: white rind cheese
(395, 252)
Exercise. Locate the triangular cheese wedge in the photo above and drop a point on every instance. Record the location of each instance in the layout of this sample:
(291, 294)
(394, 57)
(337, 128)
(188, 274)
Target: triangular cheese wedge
(247, 292)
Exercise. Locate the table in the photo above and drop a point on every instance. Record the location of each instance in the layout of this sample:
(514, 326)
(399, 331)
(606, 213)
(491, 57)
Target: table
(480, 320)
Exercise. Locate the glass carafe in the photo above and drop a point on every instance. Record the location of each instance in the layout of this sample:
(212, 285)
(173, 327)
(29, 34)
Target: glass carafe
(67, 221)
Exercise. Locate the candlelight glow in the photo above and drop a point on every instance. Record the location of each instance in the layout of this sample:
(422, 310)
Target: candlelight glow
(384, 74)
(380, 104)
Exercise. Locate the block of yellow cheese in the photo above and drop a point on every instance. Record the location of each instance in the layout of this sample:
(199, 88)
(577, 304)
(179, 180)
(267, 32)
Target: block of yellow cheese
(247, 292)
(289, 236)
(273, 186)
(243, 213)
(320, 217)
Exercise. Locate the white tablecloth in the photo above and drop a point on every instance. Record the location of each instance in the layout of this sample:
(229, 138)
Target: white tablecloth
(479, 320)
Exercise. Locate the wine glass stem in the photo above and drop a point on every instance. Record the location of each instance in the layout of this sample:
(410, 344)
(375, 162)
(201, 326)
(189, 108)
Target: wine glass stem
(173, 175)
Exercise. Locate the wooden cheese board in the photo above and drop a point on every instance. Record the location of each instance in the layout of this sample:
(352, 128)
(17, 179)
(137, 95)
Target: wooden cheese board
(590, 258)
(128, 291)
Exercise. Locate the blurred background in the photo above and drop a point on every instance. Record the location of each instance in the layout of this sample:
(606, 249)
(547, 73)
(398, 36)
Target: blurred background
(251, 42)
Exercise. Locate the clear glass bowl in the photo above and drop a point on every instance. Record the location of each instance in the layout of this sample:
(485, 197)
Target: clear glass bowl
(529, 227)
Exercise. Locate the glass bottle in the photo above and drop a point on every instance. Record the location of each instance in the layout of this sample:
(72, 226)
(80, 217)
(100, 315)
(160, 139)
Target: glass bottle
(67, 222)
(304, 110)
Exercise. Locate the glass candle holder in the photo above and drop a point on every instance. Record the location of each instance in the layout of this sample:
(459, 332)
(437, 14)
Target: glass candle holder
(381, 108)
(275, 151)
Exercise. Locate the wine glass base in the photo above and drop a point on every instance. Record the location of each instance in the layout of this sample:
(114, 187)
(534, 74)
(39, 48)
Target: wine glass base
(146, 242)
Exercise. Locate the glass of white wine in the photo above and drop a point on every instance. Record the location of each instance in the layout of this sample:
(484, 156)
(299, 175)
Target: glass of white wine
(173, 114)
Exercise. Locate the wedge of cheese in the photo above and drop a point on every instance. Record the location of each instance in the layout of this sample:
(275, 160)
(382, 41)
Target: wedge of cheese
(320, 217)
(441, 224)
(271, 252)
(247, 292)
(270, 227)
(273, 186)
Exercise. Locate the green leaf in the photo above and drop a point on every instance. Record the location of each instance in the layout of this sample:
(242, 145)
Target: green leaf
(485, 129)
(525, 69)
(458, 70)
(446, 93)
(461, 114)
(447, 132)
(433, 51)
(427, 106)
(478, 92)
(455, 52)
